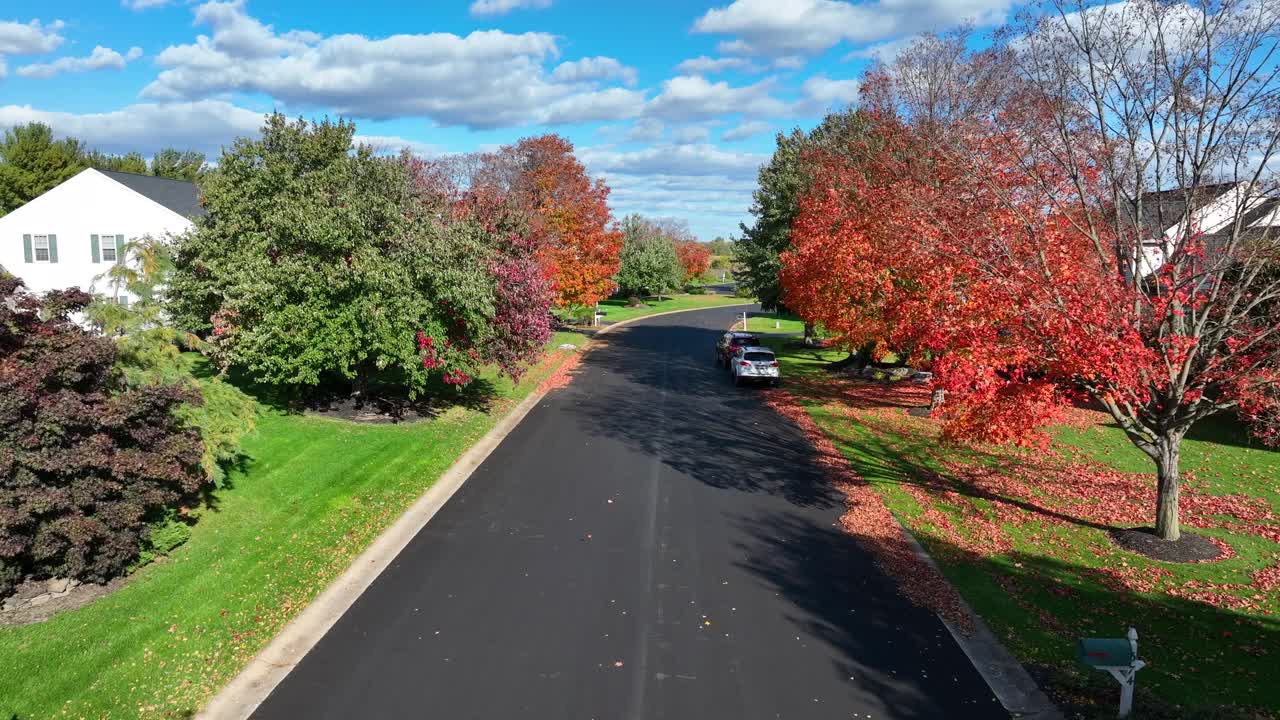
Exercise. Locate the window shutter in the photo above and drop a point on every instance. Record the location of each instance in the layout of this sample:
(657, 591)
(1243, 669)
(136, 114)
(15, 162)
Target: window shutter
(53, 248)
(26, 249)
(93, 246)
(119, 249)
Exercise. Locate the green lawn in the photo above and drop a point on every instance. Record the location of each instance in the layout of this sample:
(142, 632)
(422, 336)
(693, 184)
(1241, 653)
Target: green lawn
(312, 495)
(618, 311)
(1022, 535)
(771, 323)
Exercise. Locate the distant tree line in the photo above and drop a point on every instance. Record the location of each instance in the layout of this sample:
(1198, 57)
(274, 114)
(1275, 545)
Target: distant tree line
(32, 162)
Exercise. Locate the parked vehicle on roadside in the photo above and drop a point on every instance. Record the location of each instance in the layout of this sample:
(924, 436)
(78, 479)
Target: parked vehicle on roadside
(730, 342)
(754, 364)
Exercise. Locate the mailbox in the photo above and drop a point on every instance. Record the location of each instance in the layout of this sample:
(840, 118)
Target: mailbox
(1105, 652)
(1118, 657)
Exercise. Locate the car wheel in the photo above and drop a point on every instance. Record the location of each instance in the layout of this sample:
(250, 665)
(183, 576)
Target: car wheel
(737, 380)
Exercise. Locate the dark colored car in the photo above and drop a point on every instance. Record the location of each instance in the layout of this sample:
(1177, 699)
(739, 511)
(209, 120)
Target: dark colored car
(730, 343)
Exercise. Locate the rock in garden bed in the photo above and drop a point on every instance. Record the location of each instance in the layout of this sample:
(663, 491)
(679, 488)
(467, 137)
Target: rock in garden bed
(1188, 548)
(38, 600)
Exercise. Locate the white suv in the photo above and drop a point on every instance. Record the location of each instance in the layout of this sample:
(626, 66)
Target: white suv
(754, 363)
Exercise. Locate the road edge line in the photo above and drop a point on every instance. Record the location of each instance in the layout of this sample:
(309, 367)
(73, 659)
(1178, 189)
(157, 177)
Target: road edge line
(238, 699)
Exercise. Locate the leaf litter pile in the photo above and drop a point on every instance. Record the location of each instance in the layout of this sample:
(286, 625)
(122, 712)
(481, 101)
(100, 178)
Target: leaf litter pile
(868, 519)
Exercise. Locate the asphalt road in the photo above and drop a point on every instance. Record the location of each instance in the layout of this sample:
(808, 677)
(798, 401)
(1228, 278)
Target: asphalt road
(650, 542)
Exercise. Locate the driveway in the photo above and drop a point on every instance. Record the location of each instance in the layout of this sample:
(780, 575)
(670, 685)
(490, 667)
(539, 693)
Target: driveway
(650, 542)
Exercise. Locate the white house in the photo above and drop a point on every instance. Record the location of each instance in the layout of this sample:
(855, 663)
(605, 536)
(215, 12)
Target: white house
(69, 236)
(1213, 213)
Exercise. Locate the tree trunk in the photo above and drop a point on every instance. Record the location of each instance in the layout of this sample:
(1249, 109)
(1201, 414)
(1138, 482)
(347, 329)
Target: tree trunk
(1168, 452)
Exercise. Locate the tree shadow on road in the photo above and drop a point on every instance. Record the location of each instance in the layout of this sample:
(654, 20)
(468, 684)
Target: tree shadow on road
(669, 400)
(891, 650)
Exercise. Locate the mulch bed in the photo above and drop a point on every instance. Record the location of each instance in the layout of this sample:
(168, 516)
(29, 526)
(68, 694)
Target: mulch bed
(372, 410)
(1187, 548)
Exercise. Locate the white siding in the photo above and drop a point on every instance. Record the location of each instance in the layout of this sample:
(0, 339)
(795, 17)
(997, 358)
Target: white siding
(88, 204)
(1210, 218)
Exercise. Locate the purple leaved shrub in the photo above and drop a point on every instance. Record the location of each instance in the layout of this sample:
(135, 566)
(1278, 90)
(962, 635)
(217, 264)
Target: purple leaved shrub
(84, 463)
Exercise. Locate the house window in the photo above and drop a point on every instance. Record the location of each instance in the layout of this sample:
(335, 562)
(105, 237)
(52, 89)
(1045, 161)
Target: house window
(40, 243)
(108, 248)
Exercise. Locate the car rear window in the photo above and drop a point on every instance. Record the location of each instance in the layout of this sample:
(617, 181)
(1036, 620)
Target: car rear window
(745, 340)
(758, 356)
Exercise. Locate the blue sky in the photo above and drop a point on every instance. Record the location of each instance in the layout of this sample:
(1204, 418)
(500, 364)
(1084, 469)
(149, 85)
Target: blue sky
(674, 103)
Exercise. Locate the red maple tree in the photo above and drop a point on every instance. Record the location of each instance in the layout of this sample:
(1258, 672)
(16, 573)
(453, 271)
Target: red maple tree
(571, 215)
(1008, 250)
(694, 257)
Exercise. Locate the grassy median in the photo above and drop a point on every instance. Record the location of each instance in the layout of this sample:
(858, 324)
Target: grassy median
(1023, 535)
(312, 494)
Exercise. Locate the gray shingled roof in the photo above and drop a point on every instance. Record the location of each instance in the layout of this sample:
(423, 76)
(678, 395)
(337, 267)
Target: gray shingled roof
(179, 196)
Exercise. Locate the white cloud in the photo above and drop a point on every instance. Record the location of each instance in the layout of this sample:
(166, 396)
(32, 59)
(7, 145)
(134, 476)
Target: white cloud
(486, 79)
(502, 7)
(101, 58)
(886, 51)
(748, 129)
(825, 91)
(711, 204)
(29, 39)
(393, 144)
(703, 65)
(594, 68)
(810, 26)
(692, 97)
(144, 4)
(789, 62)
(593, 106)
(645, 130)
(687, 160)
(206, 125)
(691, 134)
(708, 187)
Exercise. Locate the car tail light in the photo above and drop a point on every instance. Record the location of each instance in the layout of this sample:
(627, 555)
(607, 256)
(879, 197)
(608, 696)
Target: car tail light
(744, 363)
(774, 363)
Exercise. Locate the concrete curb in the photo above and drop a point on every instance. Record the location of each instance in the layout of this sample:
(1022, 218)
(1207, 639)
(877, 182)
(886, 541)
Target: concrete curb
(239, 698)
(1012, 685)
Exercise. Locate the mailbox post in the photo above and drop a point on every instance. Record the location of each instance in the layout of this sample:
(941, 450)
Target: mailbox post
(1117, 656)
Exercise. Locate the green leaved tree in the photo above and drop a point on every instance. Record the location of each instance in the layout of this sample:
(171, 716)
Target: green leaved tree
(177, 164)
(149, 351)
(314, 267)
(649, 264)
(132, 162)
(32, 162)
(167, 163)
